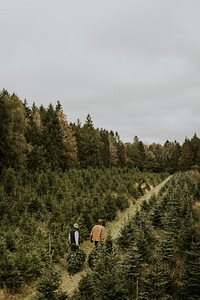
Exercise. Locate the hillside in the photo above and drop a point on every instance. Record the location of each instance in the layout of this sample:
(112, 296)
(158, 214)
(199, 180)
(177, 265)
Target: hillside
(69, 283)
(156, 251)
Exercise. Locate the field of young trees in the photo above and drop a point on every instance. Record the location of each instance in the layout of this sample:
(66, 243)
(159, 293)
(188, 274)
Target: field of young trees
(54, 173)
(37, 211)
(157, 255)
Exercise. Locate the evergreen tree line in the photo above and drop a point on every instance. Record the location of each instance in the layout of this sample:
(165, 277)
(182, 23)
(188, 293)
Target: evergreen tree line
(40, 138)
(157, 254)
(38, 209)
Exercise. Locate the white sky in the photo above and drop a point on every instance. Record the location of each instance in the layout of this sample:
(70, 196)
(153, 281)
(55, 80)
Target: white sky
(133, 65)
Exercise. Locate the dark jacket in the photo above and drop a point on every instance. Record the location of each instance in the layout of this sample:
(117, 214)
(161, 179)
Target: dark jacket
(74, 237)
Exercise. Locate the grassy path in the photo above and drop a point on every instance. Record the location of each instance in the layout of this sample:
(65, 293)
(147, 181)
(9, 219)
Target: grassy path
(70, 283)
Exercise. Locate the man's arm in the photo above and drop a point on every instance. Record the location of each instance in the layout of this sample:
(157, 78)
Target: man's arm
(91, 234)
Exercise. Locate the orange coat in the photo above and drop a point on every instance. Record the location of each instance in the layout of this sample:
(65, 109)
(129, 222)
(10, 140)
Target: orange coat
(97, 233)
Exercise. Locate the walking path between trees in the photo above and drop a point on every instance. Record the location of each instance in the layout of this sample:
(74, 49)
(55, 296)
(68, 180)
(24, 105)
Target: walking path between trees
(70, 283)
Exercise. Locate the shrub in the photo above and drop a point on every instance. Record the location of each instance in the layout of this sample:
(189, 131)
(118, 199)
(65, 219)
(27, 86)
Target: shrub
(75, 261)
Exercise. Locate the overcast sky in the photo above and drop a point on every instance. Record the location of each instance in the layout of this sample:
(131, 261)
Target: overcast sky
(133, 65)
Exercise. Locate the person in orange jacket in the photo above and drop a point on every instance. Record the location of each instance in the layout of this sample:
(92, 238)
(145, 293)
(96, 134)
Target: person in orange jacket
(97, 233)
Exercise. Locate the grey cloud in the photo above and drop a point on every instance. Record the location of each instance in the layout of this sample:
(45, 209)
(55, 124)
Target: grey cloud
(133, 65)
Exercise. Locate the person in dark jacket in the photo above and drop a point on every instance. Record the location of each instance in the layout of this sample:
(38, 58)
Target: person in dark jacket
(74, 237)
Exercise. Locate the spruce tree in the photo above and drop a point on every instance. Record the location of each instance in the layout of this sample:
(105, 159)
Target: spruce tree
(13, 144)
(132, 266)
(48, 287)
(108, 279)
(157, 285)
(192, 270)
(68, 144)
(89, 145)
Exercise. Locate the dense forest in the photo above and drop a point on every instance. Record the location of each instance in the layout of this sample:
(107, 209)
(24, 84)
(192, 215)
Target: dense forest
(54, 173)
(40, 138)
